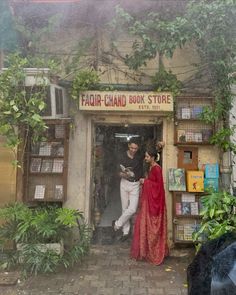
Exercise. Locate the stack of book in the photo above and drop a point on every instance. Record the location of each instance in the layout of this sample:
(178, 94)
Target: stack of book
(184, 232)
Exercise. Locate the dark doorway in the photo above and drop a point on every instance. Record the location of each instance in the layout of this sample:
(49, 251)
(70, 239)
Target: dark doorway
(109, 142)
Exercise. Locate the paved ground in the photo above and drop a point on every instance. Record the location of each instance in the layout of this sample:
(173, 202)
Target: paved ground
(109, 271)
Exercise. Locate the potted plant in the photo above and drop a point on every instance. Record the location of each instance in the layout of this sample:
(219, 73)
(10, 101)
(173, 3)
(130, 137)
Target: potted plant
(39, 235)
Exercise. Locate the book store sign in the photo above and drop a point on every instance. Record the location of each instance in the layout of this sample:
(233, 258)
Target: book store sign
(126, 101)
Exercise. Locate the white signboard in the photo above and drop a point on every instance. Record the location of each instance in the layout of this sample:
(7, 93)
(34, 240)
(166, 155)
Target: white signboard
(126, 101)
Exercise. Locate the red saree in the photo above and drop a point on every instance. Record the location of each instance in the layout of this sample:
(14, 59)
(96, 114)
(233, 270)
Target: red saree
(150, 229)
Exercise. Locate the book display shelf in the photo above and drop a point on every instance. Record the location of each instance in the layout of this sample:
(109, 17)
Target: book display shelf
(189, 128)
(46, 165)
(186, 219)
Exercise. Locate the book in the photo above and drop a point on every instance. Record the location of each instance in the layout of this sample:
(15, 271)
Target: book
(186, 208)
(45, 149)
(57, 149)
(179, 232)
(59, 131)
(39, 192)
(194, 208)
(176, 179)
(212, 170)
(198, 137)
(35, 164)
(46, 166)
(206, 135)
(196, 112)
(195, 181)
(211, 184)
(189, 136)
(185, 113)
(178, 208)
(58, 165)
(58, 191)
(188, 231)
(181, 137)
(186, 197)
(127, 170)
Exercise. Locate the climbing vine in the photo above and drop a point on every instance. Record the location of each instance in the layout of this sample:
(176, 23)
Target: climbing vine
(21, 106)
(84, 80)
(210, 25)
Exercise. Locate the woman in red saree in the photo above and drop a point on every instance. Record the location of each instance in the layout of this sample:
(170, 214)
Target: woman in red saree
(150, 230)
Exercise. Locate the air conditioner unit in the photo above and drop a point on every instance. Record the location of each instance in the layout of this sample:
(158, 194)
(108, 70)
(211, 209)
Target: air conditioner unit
(56, 103)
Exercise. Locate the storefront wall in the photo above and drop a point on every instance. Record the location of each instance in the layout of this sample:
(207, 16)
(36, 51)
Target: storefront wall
(7, 175)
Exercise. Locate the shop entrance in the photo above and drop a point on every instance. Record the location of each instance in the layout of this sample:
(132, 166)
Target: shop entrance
(109, 142)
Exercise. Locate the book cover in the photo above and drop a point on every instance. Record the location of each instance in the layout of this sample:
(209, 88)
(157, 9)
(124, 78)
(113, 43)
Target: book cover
(58, 165)
(178, 208)
(188, 231)
(196, 112)
(46, 166)
(45, 149)
(211, 184)
(35, 165)
(58, 191)
(181, 136)
(198, 137)
(195, 181)
(186, 197)
(186, 208)
(179, 232)
(185, 113)
(189, 136)
(212, 170)
(127, 170)
(194, 208)
(59, 131)
(176, 179)
(206, 135)
(57, 149)
(39, 192)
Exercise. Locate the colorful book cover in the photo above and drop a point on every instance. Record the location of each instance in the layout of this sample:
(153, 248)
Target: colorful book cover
(212, 170)
(186, 209)
(211, 184)
(195, 181)
(178, 209)
(181, 136)
(176, 179)
(196, 112)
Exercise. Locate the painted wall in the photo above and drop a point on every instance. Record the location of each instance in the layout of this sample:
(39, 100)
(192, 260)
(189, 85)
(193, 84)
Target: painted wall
(7, 175)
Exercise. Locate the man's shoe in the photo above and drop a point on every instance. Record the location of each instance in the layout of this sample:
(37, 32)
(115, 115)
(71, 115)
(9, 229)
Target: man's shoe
(124, 238)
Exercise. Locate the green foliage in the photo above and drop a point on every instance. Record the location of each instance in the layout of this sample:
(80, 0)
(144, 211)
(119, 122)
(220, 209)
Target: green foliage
(84, 80)
(166, 81)
(208, 24)
(20, 106)
(154, 34)
(218, 216)
(33, 227)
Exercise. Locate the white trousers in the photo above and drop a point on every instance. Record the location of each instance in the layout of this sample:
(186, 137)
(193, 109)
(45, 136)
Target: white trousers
(129, 193)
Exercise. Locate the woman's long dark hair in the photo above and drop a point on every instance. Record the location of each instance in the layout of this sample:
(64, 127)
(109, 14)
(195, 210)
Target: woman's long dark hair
(152, 151)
